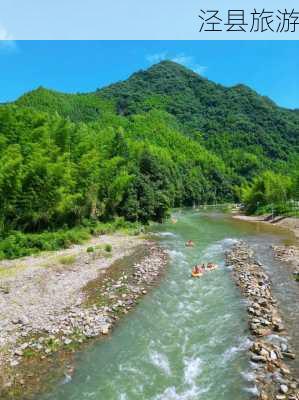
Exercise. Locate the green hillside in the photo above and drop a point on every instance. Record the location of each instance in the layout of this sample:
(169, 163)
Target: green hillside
(228, 118)
(222, 119)
(165, 137)
(77, 107)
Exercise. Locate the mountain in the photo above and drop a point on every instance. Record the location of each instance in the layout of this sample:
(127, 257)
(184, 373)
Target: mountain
(237, 115)
(163, 138)
(77, 107)
(224, 118)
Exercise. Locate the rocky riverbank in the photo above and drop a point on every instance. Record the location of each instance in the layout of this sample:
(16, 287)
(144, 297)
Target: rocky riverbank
(96, 302)
(269, 351)
(289, 254)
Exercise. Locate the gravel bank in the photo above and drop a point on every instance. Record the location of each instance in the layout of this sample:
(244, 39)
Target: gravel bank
(56, 302)
(286, 253)
(289, 254)
(269, 349)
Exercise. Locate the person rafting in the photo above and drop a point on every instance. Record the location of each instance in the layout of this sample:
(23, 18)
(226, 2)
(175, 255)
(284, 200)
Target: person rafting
(196, 269)
(211, 266)
(189, 243)
(199, 269)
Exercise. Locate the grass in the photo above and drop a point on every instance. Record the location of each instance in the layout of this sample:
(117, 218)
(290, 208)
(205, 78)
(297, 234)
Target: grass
(108, 248)
(11, 271)
(17, 244)
(67, 260)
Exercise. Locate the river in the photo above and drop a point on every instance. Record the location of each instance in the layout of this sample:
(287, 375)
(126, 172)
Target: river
(187, 339)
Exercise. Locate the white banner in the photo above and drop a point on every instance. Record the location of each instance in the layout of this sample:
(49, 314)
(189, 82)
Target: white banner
(151, 19)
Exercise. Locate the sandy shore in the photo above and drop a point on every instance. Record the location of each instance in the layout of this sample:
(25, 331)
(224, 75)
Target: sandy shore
(54, 302)
(285, 253)
(290, 223)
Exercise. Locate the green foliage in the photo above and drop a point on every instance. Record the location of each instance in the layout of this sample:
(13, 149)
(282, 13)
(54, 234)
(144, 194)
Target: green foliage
(230, 118)
(18, 244)
(77, 107)
(268, 192)
(67, 260)
(125, 155)
(108, 248)
(90, 249)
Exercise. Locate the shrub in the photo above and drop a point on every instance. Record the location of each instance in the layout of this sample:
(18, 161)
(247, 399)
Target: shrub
(90, 249)
(18, 244)
(67, 260)
(108, 248)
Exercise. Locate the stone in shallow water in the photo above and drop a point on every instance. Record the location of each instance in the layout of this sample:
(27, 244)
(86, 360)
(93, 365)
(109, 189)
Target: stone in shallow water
(105, 330)
(285, 371)
(256, 358)
(284, 389)
(289, 355)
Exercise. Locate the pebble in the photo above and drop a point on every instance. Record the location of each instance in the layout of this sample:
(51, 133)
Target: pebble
(284, 389)
(79, 323)
(18, 352)
(264, 322)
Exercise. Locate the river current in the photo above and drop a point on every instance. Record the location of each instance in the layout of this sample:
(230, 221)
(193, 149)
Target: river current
(188, 338)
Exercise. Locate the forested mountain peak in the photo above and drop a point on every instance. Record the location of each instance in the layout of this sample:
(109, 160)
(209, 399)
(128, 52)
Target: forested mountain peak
(237, 114)
(168, 69)
(222, 118)
(164, 137)
(164, 78)
(169, 78)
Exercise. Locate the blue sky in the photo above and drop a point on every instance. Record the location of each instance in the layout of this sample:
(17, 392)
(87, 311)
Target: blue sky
(269, 67)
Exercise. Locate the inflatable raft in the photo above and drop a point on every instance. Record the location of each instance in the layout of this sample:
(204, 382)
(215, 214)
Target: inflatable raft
(196, 274)
(189, 243)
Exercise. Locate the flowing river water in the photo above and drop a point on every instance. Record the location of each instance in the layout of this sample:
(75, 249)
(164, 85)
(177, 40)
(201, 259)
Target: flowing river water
(187, 339)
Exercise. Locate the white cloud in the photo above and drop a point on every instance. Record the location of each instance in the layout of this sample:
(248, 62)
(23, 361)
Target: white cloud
(189, 62)
(6, 40)
(181, 58)
(155, 58)
(200, 69)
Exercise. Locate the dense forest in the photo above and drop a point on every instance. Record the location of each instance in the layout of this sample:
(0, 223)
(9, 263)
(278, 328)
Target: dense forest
(166, 137)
